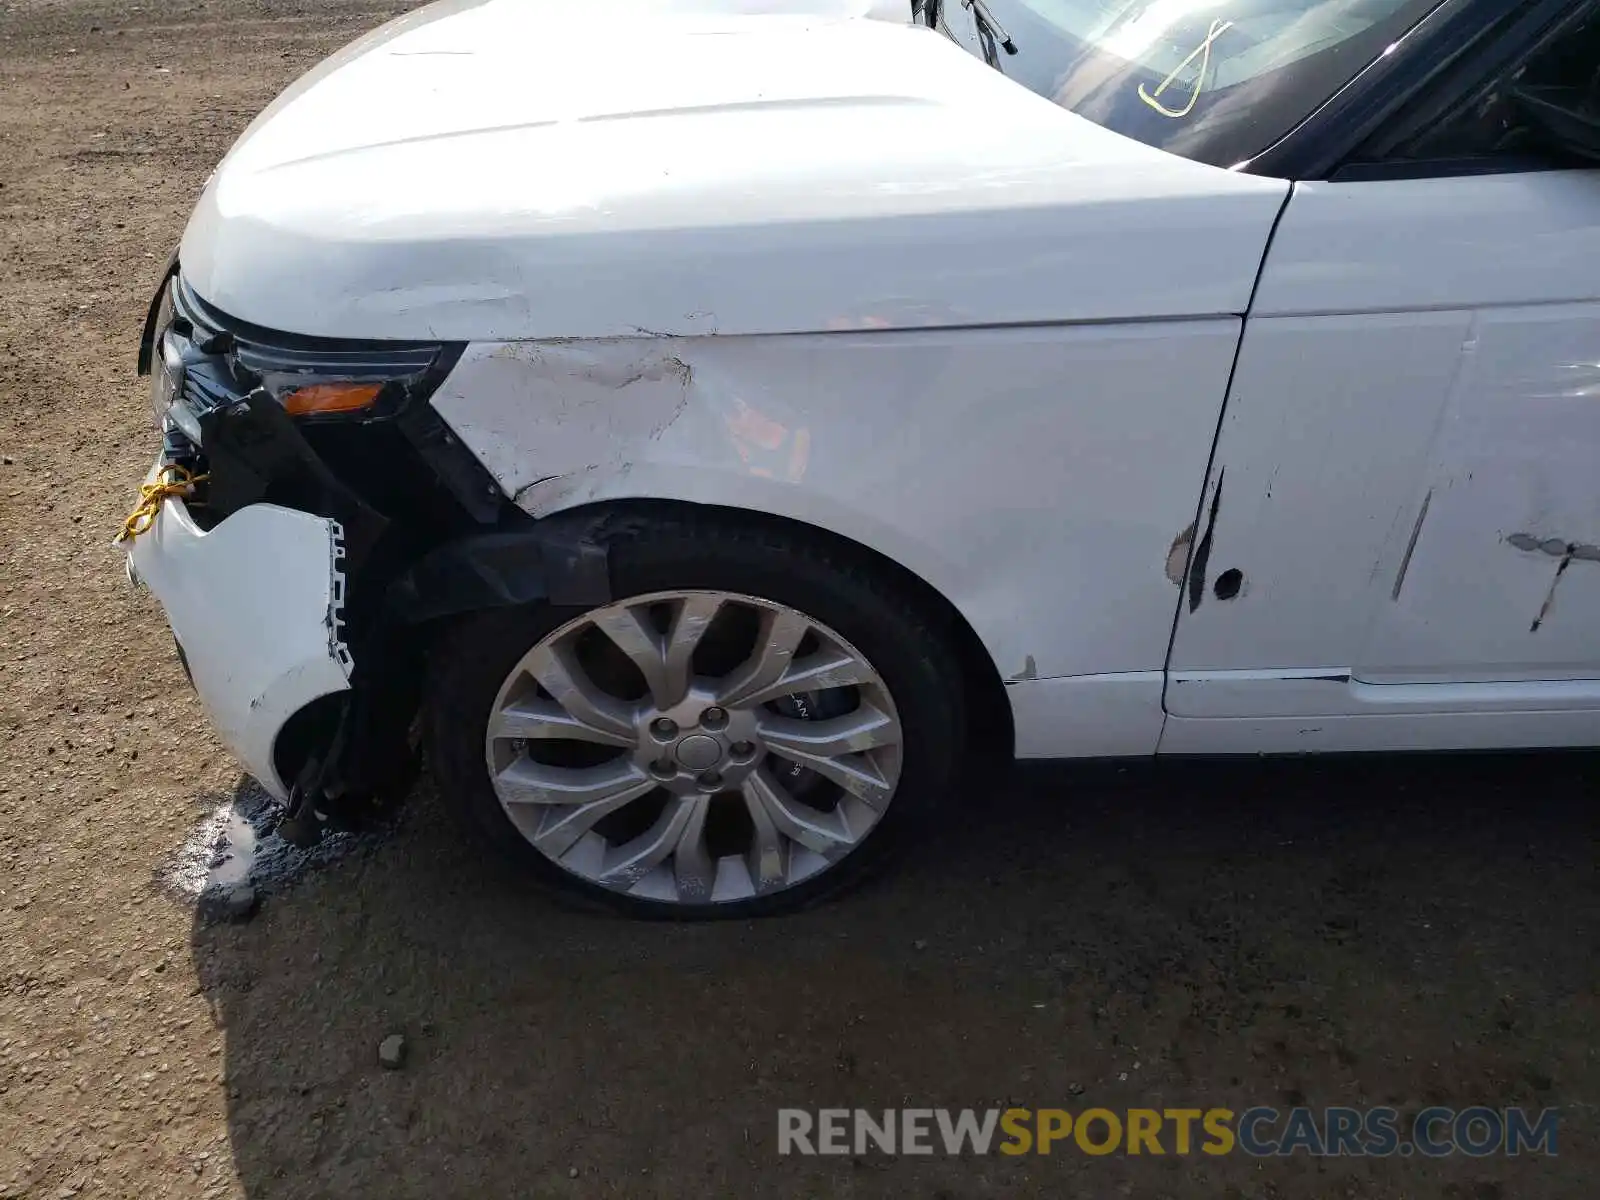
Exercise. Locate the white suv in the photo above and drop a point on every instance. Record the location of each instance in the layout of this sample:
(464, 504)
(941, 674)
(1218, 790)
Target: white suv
(714, 419)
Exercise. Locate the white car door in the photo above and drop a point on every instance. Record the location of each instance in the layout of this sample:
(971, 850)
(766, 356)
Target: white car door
(1399, 545)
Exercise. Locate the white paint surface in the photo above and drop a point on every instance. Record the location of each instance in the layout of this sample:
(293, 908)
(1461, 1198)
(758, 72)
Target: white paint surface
(716, 168)
(1035, 477)
(250, 602)
(1087, 716)
(778, 256)
(1406, 462)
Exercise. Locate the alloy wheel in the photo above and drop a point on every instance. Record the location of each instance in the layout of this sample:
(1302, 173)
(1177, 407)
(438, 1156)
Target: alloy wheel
(694, 747)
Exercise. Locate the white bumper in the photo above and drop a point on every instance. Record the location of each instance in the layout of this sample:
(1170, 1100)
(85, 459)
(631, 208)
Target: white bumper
(257, 606)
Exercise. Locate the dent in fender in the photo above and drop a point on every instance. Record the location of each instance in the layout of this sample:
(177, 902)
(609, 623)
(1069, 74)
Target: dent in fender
(992, 464)
(590, 402)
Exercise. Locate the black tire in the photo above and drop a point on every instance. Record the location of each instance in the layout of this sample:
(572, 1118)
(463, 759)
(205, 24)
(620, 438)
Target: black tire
(908, 648)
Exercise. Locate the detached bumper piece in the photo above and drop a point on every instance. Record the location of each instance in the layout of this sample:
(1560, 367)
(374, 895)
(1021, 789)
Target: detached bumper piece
(304, 577)
(270, 570)
(343, 754)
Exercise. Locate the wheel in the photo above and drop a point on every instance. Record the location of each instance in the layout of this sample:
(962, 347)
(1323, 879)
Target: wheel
(752, 726)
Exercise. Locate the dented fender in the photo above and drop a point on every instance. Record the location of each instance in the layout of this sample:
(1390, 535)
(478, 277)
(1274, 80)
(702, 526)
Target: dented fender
(890, 438)
(549, 419)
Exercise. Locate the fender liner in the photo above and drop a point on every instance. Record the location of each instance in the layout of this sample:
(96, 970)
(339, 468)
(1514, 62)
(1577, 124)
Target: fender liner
(367, 758)
(554, 561)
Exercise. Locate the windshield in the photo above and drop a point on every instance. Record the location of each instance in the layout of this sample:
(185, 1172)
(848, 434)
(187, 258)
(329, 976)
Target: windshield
(1214, 80)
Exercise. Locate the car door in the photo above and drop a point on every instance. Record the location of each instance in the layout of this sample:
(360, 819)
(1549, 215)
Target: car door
(1399, 544)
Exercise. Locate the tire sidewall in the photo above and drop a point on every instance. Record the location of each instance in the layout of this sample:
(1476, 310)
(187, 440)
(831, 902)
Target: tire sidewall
(908, 654)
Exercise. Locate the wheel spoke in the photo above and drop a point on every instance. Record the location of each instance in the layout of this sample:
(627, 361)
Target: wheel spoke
(836, 748)
(811, 742)
(627, 864)
(572, 799)
(827, 833)
(689, 625)
(768, 857)
(813, 673)
(857, 774)
(818, 672)
(664, 661)
(860, 776)
(693, 868)
(558, 670)
(536, 719)
(781, 633)
(631, 632)
(529, 782)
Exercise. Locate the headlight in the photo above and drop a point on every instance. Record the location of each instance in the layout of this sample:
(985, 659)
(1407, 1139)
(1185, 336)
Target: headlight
(167, 374)
(166, 366)
(322, 378)
(324, 399)
(201, 359)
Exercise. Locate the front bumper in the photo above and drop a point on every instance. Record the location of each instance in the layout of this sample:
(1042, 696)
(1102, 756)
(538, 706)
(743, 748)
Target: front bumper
(312, 568)
(256, 604)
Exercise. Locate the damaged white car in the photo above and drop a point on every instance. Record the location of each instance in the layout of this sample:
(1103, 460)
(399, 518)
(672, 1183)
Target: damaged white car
(707, 423)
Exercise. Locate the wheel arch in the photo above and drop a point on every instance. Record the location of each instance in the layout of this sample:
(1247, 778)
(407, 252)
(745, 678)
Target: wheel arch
(990, 715)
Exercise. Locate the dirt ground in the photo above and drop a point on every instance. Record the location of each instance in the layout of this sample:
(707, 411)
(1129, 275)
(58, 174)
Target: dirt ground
(1207, 935)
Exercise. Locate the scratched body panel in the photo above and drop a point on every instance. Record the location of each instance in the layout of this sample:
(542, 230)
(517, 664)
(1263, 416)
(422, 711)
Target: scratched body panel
(1505, 561)
(1407, 467)
(1035, 477)
(1319, 472)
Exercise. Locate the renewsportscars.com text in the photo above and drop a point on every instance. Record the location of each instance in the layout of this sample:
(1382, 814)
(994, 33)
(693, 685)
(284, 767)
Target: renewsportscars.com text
(1261, 1132)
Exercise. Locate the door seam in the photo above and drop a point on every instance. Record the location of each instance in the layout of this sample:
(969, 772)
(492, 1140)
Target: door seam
(1186, 585)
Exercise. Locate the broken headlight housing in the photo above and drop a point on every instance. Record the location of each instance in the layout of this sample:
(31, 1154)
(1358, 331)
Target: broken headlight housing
(200, 359)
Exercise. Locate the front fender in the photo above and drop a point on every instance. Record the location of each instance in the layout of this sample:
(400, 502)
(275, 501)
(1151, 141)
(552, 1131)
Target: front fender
(1035, 478)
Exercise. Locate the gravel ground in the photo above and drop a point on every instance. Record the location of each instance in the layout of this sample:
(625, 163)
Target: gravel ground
(1210, 935)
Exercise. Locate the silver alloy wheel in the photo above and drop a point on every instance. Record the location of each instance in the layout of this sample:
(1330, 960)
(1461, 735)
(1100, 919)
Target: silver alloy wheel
(691, 745)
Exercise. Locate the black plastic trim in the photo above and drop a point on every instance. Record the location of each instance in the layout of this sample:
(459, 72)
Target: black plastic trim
(256, 454)
(545, 561)
(456, 467)
(349, 756)
(147, 339)
(227, 359)
(356, 757)
(1441, 168)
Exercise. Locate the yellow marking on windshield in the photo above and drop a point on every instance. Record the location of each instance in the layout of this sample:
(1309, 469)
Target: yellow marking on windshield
(1202, 52)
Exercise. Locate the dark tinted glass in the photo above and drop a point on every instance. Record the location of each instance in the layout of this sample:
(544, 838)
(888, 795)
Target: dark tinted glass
(1216, 81)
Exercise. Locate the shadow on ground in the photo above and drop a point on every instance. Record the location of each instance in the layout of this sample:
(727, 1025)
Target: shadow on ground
(1361, 932)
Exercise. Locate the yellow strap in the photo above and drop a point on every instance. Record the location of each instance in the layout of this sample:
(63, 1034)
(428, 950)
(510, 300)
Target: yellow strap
(171, 480)
(1203, 53)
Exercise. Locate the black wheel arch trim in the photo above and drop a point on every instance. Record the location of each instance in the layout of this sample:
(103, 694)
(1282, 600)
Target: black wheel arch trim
(352, 757)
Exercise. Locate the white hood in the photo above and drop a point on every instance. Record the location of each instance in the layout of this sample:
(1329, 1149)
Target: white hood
(511, 169)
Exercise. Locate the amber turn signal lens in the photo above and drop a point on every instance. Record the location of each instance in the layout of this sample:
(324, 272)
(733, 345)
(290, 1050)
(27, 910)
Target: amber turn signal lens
(331, 398)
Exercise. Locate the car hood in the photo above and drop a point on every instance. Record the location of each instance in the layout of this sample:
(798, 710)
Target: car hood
(525, 169)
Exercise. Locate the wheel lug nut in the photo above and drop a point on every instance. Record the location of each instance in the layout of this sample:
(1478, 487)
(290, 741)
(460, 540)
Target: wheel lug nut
(742, 750)
(713, 718)
(663, 768)
(710, 780)
(664, 728)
